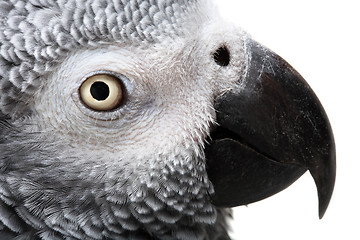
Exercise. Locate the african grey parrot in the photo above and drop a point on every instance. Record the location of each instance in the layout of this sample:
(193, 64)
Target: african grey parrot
(130, 119)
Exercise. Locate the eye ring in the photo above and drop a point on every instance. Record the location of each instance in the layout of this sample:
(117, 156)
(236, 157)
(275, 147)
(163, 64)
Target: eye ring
(102, 92)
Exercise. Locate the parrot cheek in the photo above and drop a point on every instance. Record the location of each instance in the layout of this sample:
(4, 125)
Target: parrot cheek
(271, 130)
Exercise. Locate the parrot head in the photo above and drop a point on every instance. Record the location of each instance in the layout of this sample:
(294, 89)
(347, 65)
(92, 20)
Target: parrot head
(146, 120)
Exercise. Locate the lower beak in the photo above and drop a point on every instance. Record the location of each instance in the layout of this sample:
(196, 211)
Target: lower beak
(271, 130)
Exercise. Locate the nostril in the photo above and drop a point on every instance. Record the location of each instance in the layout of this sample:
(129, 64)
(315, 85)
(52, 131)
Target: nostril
(222, 56)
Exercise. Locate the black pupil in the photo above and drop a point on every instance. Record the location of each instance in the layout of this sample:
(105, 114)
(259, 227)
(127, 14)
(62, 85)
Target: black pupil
(100, 91)
(222, 56)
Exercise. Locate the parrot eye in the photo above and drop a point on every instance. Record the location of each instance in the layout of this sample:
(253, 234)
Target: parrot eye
(102, 92)
(222, 56)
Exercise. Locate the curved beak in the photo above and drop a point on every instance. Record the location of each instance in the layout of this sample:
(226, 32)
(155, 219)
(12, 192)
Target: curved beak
(271, 130)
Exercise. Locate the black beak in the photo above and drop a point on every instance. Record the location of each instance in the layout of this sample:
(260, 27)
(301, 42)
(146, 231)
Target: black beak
(271, 130)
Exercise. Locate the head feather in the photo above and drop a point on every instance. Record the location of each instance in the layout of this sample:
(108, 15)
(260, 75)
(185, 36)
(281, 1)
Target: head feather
(36, 35)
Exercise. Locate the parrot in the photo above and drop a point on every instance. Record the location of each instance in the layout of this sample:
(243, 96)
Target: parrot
(146, 119)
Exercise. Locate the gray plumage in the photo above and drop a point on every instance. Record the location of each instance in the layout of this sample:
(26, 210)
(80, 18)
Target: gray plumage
(130, 119)
(42, 195)
(55, 182)
(36, 35)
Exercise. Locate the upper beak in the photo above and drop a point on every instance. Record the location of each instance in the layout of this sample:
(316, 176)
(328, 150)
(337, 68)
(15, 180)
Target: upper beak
(271, 130)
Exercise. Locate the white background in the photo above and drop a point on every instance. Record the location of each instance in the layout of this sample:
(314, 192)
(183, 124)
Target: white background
(320, 39)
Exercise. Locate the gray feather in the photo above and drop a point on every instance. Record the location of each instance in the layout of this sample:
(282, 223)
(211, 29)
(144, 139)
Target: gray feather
(39, 192)
(36, 35)
(47, 190)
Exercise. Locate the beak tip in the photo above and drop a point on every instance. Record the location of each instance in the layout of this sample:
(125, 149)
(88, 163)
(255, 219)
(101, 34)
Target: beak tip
(324, 200)
(322, 208)
(323, 205)
(325, 182)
